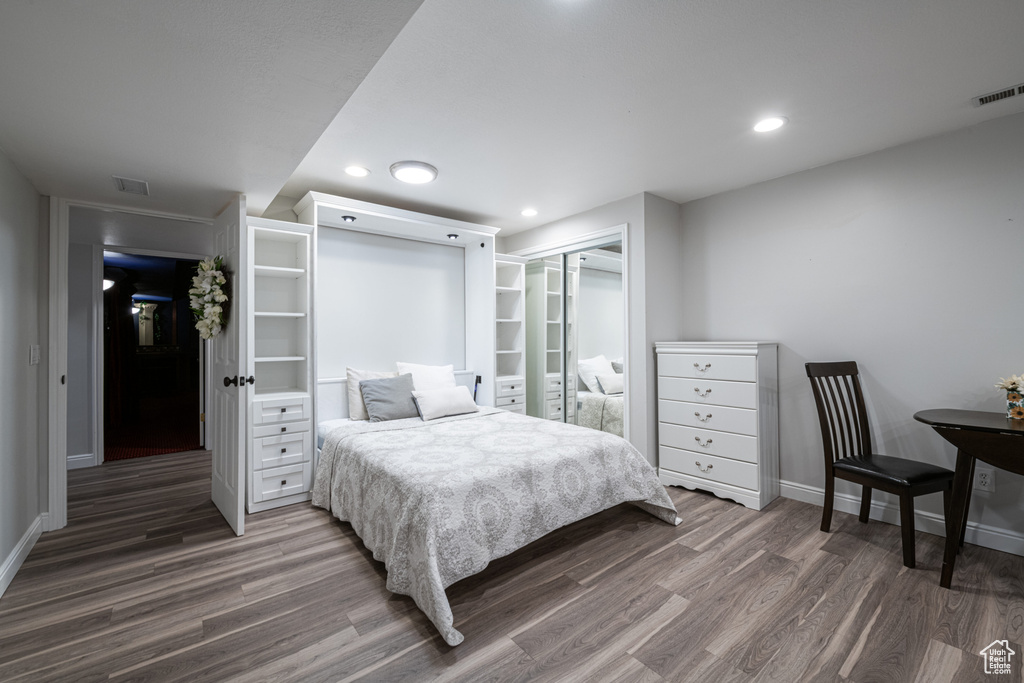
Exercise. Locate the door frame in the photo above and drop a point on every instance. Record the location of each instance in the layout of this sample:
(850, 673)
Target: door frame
(56, 516)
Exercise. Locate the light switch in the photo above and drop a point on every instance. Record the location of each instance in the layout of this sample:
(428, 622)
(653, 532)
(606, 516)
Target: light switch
(33, 354)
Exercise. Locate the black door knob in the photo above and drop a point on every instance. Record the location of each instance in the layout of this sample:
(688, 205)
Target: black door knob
(233, 380)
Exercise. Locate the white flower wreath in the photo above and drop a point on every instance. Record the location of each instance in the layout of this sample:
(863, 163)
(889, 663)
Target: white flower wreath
(207, 299)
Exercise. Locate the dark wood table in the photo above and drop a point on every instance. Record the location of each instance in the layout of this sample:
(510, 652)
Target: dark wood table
(989, 437)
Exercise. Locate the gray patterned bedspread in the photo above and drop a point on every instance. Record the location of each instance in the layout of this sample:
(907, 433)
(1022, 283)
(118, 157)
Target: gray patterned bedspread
(437, 501)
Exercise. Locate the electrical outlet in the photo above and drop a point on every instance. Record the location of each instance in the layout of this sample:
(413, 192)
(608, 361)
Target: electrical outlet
(984, 479)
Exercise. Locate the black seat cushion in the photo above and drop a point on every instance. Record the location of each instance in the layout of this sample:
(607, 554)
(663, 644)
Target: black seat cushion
(897, 471)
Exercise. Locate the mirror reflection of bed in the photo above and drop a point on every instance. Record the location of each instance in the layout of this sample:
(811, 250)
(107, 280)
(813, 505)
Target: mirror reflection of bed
(576, 354)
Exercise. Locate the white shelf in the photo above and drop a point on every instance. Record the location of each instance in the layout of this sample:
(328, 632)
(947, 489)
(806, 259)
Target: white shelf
(509, 320)
(280, 359)
(507, 290)
(512, 351)
(278, 314)
(278, 271)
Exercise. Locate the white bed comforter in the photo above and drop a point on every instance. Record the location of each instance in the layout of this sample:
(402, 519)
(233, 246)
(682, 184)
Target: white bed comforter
(437, 501)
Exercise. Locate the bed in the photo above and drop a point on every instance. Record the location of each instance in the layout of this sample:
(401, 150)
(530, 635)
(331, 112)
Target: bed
(437, 501)
(602, 412)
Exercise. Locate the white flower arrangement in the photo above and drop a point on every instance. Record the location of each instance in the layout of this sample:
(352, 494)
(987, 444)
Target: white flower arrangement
(1013, 383)
(207, 299)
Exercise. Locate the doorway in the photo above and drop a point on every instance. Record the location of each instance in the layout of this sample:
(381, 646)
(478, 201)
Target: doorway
(152, 363)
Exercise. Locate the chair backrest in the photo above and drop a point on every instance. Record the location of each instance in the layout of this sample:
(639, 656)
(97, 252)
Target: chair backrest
(841, 412)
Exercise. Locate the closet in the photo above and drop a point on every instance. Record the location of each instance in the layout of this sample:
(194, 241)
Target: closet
(544, 327)
(510, 332)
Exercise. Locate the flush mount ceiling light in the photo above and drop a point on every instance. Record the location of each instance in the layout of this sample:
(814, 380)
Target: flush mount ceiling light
(413, 172)
(452, 236)
(529, 213)
(770, 124)
(107, 284)
(357, 171)
(349, 219)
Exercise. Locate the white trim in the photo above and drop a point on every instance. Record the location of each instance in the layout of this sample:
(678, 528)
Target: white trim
(135, 211)
(582, 242)
(12, 563)
(76, 462)
(986, 536)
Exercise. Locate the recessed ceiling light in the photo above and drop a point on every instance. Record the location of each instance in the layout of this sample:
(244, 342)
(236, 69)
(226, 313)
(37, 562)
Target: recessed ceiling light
(452, 236)
(414, 172)
(349, 219)
(529, 213)
(770, 124)
(357, 171)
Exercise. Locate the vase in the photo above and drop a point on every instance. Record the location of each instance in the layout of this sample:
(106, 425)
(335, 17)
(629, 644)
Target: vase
(1015, 405)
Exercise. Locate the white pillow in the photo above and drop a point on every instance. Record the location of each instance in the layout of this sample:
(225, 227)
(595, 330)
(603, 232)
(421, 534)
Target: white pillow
(611, 384)
(590, 368)
(356, 406)
(435, 403)
(427, 377)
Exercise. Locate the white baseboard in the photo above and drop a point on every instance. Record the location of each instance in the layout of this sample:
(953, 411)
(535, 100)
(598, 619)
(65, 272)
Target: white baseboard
(81, 460)
(984, 535)
(12, 563)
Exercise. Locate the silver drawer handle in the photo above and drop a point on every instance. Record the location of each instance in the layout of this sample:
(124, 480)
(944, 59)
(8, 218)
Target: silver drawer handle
(702, 445)
(700, 393)
(698, 368)
(702, 419)
(703, 469)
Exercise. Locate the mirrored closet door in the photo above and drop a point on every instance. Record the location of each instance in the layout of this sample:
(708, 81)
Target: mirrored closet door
(575, 322)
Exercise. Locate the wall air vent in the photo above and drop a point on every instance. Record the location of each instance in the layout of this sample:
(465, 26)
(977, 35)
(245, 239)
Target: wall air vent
(999, 95)
(132, 186)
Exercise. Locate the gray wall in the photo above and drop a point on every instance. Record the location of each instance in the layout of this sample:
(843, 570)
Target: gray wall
(599, 322)
(652, 290)
(908, 260)
(22, 310)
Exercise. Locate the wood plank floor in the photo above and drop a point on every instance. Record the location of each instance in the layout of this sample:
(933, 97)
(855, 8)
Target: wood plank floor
(147, 583)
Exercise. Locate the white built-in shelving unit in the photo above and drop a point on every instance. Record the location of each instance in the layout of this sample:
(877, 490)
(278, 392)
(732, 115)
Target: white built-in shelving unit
(510, 332)
(544, 395)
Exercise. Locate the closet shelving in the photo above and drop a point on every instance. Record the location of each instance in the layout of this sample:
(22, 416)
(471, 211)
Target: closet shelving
(510, 332)
(544, 361)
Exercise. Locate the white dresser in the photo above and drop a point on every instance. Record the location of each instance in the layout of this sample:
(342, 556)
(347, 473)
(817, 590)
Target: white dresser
(718, 419)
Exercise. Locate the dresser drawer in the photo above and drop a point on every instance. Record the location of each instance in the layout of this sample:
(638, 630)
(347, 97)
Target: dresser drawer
(259, 431)
(279, 482)
(511, 386)
(278, 451)
(722, 444)
(719, 418)
(553, 410)
(553, 396)
(552, 384)
(281, 410)
(704, 466)
(517, 408)
(510, 401)
(708, 392)
(733, 368)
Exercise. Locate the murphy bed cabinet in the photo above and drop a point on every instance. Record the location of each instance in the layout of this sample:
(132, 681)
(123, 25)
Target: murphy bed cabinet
(279, 462)
(718, 419)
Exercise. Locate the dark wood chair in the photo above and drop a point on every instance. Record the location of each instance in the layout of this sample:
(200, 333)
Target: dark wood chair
(848, 453)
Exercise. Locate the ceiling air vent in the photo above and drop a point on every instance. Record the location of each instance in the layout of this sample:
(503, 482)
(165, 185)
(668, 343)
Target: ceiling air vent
(132, 186)
(999, 95)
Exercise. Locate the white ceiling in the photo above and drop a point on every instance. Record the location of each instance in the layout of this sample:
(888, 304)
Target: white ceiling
(558, 104)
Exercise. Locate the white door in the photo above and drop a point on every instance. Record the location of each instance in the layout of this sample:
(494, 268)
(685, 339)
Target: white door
(228, 396)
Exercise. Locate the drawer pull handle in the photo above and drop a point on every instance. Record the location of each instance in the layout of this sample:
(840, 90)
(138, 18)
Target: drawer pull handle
(284, 482)
(703, 445)
(513, 401)
(284, 450)
(703, 469)
(700, 393)
(284, 429)
(702, 419)
(698, 368)
(284, 410)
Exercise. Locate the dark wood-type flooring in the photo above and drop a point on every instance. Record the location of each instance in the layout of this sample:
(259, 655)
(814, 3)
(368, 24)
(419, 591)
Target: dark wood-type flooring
(147, 583)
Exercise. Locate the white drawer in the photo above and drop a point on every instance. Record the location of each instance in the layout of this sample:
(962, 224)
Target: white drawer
(553, 396)
(709, 467)
(570, 383)
(708, 392)
(733, 368)
(279, 482)
(259, 431)
(517, 408)
(511, 386)
(722, 444)
(553, 410)
(509, 401)
(552, 384)
(719, 418)
(281, 410)
(278, 451)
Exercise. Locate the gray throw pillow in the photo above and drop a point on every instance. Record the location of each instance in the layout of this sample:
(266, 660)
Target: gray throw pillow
(617, 366)
(389, 398)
